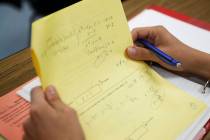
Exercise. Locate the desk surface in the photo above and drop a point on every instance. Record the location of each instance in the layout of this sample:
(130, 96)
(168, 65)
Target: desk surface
(18, 69)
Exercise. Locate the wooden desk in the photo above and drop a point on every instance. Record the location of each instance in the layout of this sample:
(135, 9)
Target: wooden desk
(18, 69)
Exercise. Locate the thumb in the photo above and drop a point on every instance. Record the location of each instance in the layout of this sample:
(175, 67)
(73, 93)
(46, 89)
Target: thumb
(53, 98)
(140, 53)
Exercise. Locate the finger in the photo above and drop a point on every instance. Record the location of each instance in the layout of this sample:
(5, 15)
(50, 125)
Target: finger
(146, 33)
(170, 67)
(37, 96)
(39, 105)
(26, 137)
(54, 99)
(139, 53)
(28, 130)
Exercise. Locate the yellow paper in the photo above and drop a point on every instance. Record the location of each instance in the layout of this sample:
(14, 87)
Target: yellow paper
(80, 50)
(1, 138)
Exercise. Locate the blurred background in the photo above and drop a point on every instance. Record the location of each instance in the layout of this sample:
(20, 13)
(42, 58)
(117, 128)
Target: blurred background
(16, 17)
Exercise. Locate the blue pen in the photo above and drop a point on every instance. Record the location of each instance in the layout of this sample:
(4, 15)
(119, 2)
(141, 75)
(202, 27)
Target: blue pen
(163, 56)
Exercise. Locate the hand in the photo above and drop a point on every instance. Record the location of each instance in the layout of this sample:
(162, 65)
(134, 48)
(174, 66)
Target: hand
(193, 61)
(50, 119)
(207, 137)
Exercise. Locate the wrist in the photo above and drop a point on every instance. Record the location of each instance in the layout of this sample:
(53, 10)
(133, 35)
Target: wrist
(200, 64)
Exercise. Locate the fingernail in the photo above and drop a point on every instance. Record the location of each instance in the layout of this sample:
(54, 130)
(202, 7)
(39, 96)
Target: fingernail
(51, 92)
(132, 51)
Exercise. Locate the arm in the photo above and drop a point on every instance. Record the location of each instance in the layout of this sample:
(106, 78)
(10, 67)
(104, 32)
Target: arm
(201, 64)
(193, 61)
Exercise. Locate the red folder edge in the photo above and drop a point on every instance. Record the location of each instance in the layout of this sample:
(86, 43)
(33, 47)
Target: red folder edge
(182, 17)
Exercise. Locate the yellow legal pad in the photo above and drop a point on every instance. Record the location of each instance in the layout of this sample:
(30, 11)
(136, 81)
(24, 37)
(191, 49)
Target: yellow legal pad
(80, 50)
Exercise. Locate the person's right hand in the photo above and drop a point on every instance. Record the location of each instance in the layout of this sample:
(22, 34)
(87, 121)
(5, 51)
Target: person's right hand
(193, 61)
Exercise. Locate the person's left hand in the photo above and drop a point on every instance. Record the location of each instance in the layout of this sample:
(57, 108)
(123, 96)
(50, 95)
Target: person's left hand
(50, 118)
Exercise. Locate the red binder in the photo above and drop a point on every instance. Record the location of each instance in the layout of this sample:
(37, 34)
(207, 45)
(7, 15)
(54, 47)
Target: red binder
(180, 16)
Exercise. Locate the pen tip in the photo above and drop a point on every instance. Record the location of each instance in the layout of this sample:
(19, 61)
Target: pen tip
(178, 65)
